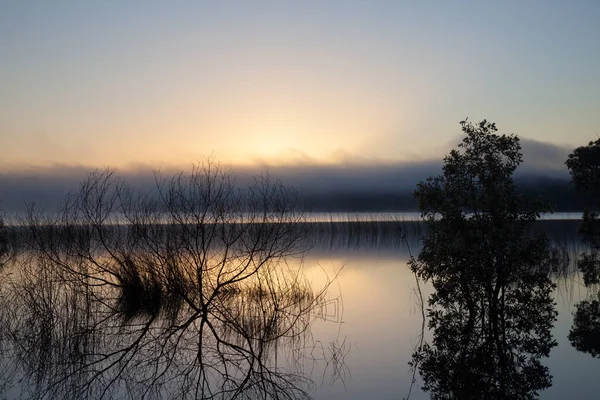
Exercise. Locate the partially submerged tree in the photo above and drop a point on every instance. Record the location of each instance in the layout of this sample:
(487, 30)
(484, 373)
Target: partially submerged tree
(492, 310)
(584, 166)
(179, 292)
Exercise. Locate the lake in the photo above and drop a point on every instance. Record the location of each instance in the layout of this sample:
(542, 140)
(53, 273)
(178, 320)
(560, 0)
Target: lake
(356, 339)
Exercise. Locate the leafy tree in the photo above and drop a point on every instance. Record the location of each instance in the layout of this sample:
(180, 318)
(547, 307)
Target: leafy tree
(584, 166)
(492, 309)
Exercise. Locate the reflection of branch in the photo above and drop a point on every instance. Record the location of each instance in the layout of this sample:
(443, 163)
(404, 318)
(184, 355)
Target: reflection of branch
(337, 360)
(155, 354)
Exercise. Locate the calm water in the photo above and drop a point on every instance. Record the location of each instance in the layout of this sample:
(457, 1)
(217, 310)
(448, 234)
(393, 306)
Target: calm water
(381, 321)
(371, 315)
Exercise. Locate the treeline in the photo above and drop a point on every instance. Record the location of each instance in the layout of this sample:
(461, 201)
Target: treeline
(559, 192)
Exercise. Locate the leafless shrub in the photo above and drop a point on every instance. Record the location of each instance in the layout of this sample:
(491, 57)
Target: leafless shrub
(178, 292)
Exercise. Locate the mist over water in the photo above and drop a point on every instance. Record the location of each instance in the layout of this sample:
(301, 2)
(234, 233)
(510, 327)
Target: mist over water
(353, 186)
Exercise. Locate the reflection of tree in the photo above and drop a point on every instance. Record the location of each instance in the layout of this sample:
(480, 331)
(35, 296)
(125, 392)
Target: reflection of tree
(584, 166)
(492, 310)
(585, 332)
(178, 293)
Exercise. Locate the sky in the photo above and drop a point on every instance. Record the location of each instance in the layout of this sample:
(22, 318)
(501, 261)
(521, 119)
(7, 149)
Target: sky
(125, 83)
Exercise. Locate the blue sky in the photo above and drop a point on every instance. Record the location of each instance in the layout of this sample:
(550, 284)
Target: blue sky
(123, 83)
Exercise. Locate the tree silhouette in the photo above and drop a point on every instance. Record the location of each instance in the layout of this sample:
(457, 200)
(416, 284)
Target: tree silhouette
(492, 310)
(584, 166)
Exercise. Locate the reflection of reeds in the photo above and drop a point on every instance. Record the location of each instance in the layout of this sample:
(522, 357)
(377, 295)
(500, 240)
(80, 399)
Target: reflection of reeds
(71, 342)
(359, 234)
(141, 290)
(275, 307)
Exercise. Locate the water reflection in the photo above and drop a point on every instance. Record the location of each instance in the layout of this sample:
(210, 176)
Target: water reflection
(585, 332)
(491, 326)
(61, 339)
(377, 331)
